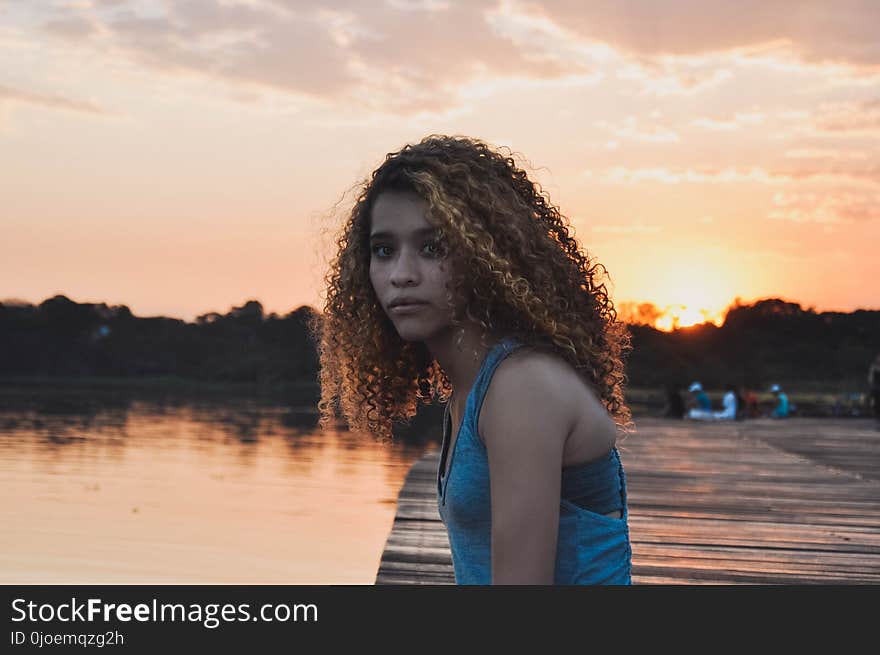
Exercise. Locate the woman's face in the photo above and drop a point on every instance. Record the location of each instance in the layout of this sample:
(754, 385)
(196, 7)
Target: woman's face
(408, 262)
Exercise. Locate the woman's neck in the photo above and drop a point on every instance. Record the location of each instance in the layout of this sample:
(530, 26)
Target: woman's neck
(461, 364)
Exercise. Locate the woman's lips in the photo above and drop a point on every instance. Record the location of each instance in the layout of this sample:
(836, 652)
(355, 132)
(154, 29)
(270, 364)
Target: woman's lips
(409, 308)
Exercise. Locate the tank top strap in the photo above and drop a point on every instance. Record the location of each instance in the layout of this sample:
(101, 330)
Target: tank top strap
(493, 358)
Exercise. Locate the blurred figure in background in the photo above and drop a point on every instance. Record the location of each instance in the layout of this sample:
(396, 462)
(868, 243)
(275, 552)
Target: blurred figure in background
(739, 393)
(781, 409)
(750, 404)
(702, 406)
(675, 407)
(700, 397)
(730, 405)
(874, 386)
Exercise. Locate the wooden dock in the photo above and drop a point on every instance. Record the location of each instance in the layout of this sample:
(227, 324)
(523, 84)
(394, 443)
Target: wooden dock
(751, 502)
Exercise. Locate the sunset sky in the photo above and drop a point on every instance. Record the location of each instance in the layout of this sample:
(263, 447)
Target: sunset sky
(184, 156)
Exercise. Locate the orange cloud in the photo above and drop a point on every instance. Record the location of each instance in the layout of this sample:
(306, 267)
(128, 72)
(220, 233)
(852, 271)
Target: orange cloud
(819, 31)
(47, 100)
(828, 208)
(631, 128)
(850, 117)
(864, 176)
(401, 57)
(730, 123)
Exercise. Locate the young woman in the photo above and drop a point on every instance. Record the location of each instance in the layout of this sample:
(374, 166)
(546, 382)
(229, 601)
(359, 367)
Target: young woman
(456, 278)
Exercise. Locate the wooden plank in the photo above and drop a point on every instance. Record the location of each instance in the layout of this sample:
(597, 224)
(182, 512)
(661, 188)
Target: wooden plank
(753, 502)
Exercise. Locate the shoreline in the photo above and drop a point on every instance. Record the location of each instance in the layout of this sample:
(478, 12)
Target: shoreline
(159, 383)
(643, 401)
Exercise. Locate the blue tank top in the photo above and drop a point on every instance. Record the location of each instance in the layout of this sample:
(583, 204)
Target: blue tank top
(591, 548)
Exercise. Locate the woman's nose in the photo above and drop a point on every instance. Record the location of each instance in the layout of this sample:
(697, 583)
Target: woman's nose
(405, 270)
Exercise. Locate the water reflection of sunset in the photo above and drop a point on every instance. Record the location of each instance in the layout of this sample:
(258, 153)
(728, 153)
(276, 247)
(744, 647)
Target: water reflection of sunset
(99, 491)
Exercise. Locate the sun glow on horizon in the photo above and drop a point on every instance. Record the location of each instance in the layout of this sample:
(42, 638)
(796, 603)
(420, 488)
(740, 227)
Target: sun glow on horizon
(691, 287)
(671, 317)
(680, 316)
(218, 145)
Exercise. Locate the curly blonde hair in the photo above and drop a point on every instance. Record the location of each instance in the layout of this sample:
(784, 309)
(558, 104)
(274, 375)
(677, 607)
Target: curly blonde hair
(514, 265)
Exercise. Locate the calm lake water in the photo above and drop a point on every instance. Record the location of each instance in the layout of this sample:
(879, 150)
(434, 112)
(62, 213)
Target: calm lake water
(127, 487)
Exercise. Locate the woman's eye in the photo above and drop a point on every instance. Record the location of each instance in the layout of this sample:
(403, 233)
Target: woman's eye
(436, 249)
(437, 246)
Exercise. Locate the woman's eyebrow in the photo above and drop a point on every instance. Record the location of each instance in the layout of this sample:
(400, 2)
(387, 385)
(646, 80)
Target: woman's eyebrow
(387, 235)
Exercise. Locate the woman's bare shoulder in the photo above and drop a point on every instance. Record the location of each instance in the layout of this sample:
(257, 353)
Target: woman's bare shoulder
(536, 365)
(541, 381)
(533, 380)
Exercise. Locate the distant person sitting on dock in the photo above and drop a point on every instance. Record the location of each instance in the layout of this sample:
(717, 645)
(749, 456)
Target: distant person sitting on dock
(781, 410)
(700, 397)
(702, 409)
(874, 385)
(456, 277)
(730, 405)
(728, 413)
(751, 408)
(675, 407)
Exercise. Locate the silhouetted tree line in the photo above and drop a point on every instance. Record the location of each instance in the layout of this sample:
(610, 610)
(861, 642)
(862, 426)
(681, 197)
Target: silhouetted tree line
(60, 337)
(769, 341)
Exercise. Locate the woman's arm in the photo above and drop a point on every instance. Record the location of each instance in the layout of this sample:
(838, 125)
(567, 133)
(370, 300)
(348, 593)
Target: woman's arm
(527, 415)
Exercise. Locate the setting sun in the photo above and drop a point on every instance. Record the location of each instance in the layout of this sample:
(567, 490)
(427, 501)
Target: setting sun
(687, 289)
(146, 146)
(679, 316)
